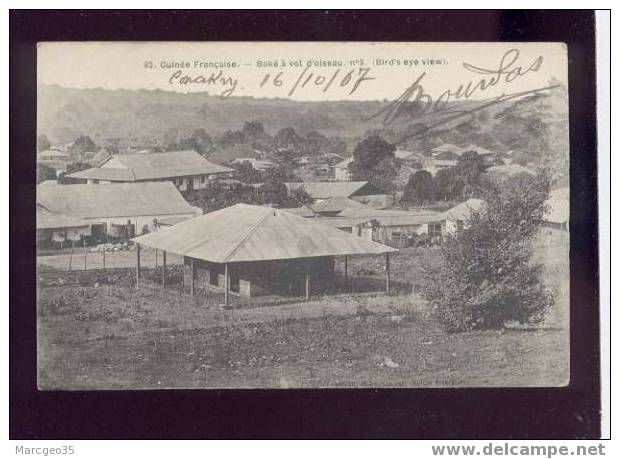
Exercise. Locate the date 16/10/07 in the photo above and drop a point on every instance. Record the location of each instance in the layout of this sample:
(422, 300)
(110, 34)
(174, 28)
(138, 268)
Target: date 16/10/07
(351, 79)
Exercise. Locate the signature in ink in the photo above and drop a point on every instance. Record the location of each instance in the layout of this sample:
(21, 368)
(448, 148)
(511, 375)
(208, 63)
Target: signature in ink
(416, 104)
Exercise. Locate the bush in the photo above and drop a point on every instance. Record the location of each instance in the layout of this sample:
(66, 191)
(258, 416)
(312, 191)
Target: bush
(487, 276)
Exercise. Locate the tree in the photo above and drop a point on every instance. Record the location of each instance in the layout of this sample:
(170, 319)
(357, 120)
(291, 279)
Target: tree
(470, 168)
(420, 188)
(297, 197)
(368, 154)
(247, 174)
(253, 129)
(274, 190)
(287, 138)
(199, 141)
(43, 143)
(80, 145)
(374, 161)
(448, 184)
(487, 276)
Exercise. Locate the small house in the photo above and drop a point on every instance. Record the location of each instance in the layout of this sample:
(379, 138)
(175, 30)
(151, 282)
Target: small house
(117, 210)
(250, 251)
(186, 169)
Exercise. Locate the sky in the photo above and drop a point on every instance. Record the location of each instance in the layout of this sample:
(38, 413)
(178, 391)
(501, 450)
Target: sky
(338, 71)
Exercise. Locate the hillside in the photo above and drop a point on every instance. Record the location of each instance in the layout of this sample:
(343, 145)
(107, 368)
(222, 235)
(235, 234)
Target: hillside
(535, 125)
(66, 113)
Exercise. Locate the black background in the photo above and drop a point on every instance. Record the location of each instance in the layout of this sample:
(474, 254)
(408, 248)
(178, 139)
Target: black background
(551, 413)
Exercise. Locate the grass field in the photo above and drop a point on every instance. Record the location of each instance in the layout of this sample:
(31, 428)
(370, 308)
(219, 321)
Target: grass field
(112, 336)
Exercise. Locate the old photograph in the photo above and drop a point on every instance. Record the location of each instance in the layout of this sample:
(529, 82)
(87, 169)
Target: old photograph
(302, 215)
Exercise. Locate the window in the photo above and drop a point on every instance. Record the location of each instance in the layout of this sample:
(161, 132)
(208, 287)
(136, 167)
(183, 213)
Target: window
(203, 178)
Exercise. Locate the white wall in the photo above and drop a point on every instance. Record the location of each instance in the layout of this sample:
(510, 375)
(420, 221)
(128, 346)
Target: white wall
(138, 221)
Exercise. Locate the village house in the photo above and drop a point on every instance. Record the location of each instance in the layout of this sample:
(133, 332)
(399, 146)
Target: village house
(456, 219)
(250, 251)
(397, 228)
(114, 210)
(256, 163)
(341, 170)
(187, 169)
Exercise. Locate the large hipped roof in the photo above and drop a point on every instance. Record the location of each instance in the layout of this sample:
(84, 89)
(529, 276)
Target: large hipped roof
(150, 166)
(253, 233)
(114, 200)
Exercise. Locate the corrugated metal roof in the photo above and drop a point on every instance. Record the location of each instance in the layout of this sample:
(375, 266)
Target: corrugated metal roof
(337, 205)
(352, 216)
(477, 149)
(149, 166)
(464, 210)
(509, 169)
(345, 163)
(255, 233)
(97, 173)
(324, 190)
(448, 147)
(47, 219)
(114, 200)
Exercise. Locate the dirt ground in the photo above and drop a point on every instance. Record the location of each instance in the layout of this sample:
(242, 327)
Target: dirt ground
(102, 333)
(82, 259)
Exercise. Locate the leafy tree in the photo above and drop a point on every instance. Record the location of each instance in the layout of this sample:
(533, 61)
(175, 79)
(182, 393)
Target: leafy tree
(287, 138)
(373, 160)
(274, 190)
(297, 197)
(230, 138)
(420, 188)
(448, 184)
(45, 172)
(80, 145)
(470, 167)
(487, 276)
(247, 174)
(218, 195)
(368, 154)
(253, 129)
(43, 143)
(199, 141)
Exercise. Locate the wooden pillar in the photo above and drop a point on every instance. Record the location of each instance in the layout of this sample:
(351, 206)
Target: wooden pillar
(103, 258)
(226, 284)
(137, 265)
(156, 262)
(308, 282)
(84, 248)
(346, 271)
(192, 276)
(163, 271)
(387, 273)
